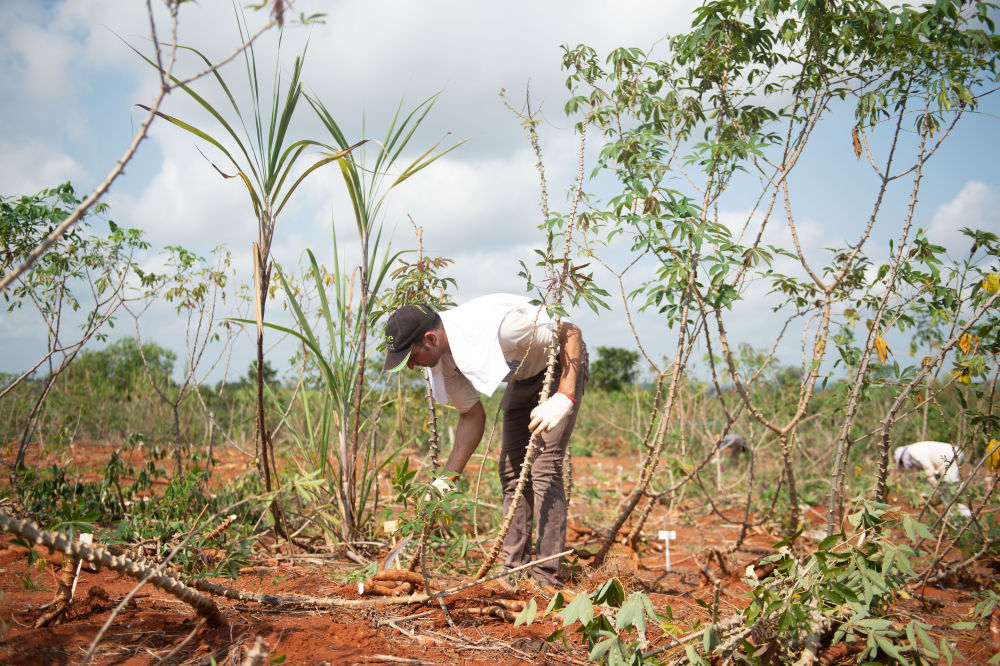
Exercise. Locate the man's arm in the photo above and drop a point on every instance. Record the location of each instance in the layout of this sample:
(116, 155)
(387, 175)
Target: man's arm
(468, 434)
(570, 357)
(559, 405)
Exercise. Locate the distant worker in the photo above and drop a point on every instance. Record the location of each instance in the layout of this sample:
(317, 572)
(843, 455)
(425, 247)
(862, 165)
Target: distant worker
(934, 458)
(938, 460)
(474, 347)
(731, 447)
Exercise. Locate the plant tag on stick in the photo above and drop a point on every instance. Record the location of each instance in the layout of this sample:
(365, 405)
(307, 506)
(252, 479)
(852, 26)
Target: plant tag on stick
(667, 535)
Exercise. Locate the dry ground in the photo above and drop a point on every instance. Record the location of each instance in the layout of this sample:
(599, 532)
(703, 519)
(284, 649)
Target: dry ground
(154, 625)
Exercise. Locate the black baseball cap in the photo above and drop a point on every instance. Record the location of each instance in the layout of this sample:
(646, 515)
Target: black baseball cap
(406, 326)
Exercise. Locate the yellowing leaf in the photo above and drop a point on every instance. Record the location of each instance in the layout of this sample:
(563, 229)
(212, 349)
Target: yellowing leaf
(882, 348)
(927, 361)
(856, 139)
(961, 376)
(993, 456)
(991, 282)
(965, 343)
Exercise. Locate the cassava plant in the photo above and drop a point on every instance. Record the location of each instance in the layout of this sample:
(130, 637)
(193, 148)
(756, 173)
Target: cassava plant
(734, 106)
(89, 278)
(195, 288)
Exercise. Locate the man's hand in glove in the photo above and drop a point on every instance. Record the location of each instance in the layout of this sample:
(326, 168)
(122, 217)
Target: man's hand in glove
(439, 488)
(551, 413)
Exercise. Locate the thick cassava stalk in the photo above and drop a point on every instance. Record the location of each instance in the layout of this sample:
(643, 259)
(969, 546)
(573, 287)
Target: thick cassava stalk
(835, 498)
(785, 433)
(651, 457)
(297, 601)
(529, 458)
(432, 413)
(428, 389)
(64, 595)
(97, 555)
(636, 531)
(553, 351)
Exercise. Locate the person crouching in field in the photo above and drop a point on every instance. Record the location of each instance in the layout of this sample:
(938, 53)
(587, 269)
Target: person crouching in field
(474, 347)
(938, 460)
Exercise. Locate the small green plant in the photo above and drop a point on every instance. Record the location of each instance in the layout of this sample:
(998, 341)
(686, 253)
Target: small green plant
(983, 610)
(847, 589)
(612, 626)
(357, 575)
(167, 521)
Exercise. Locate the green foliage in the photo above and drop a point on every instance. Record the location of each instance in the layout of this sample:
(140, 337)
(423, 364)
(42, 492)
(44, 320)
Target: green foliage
(613, 369)
(263, 155)
(612, 626)
(421, 282)
(79, 257)
(168, 521)
(439, 521)
(339, 424)
(726, 113)
(850, 582)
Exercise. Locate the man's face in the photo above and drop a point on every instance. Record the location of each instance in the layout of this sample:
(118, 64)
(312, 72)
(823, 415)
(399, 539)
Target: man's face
(426, 352)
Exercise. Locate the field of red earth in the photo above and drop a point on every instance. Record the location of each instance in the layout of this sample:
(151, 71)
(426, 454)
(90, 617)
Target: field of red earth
(473, 626)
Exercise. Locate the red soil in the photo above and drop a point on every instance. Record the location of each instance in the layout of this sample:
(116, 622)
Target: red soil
(154, 624)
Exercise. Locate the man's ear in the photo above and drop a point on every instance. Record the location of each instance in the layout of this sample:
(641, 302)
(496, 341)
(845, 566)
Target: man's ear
(431, 339)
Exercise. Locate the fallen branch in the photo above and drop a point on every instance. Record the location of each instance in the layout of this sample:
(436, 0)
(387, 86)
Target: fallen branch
(297, 601)
(257, 654)
(28, 530)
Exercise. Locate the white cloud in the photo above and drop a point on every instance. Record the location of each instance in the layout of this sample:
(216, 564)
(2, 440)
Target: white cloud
(28, 167)
(976, 206)
(187, 202)
(69, 82)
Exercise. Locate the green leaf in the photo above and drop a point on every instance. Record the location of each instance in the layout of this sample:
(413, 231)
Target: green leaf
(963, 626)
(889, 649)
(556, 603)
(579, 610)
(527, 616)
(693, 657)
(875, 624)
(601, 648)
(829, 542)
(632, 613)
(611, 593)
(913, 526)
(710, 639)
(929, 646)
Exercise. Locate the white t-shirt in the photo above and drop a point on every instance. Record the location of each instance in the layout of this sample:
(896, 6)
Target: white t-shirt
(931, 457)
(493, 339)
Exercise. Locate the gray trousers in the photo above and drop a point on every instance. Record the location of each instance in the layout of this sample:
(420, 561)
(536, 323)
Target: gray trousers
(544, 500)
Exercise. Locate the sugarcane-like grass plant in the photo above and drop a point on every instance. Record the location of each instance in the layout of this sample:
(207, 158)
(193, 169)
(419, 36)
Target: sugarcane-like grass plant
(257, 148)
(349, 406)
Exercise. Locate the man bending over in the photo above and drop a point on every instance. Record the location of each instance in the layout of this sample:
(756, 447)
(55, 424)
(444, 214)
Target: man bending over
(471, 349)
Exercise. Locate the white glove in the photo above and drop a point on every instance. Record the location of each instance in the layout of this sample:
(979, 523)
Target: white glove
(439, 488)
(551, 413)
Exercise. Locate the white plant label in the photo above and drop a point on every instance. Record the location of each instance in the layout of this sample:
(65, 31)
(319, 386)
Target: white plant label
(667, 535)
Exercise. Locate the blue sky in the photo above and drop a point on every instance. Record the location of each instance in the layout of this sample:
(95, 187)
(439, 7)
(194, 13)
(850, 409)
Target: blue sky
(69, 84)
